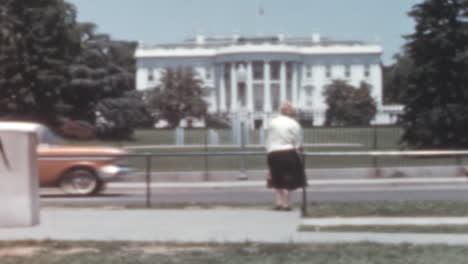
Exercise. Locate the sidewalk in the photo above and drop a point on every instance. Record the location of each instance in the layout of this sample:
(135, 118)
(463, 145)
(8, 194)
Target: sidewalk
(194, 225)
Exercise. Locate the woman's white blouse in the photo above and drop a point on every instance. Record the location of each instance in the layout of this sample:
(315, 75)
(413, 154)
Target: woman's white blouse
(284, 133)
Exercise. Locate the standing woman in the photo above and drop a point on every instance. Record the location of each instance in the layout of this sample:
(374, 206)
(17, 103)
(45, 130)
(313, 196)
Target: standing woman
(285, 165)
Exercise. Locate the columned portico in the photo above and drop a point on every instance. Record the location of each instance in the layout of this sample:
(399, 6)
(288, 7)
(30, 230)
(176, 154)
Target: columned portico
(258, 73)
(241, 76)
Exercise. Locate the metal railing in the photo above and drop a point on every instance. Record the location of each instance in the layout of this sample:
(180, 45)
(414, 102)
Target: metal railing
(458, 154)
(148, 156)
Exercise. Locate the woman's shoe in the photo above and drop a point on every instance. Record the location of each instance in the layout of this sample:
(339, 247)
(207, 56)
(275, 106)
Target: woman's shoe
(278, 208)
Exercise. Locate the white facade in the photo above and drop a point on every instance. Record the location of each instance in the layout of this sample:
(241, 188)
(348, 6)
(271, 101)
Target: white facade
(255, 74)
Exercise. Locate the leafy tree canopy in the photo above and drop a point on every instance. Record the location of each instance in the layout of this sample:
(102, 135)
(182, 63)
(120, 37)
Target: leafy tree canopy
(116, 118)
(178, 96)
(104, 69)
(38, 40)
(348, 105)
(395, 79)
(436, 97)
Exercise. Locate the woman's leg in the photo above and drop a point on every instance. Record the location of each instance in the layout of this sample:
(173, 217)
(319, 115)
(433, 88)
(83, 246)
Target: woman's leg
(279, 197)
(286, 198)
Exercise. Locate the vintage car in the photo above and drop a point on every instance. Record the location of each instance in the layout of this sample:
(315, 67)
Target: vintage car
(77, 170)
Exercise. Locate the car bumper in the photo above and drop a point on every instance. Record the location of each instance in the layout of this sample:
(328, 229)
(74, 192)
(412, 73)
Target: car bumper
(113, 172)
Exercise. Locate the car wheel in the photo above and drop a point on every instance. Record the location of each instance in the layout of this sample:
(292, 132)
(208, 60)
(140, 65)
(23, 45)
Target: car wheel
(80, 181)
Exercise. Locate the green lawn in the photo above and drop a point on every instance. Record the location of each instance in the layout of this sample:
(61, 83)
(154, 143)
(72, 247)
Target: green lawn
(389, 209)
(54, 252)
(366, 138)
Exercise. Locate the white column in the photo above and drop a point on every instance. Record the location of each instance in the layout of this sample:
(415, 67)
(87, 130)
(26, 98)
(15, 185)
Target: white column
(213, 106)
(249, 84)
(282, 81)
(303, 72)
(142, 79)
(376, 83)
(294, 82)
(222, 89)
(267, 87)
(234, 98)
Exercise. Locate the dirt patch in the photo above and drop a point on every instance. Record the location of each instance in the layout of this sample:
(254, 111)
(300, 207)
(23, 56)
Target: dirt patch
(169, 250)
(19, 251)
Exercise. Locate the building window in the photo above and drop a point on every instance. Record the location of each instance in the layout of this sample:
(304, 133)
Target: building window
(207, 74)
(309, 71)
(150, 75)
(227, 73)
(289, 70)
(275, 70)
(258, 70)
(328, 73)
(309, 90)
(347, 71)
(367, 70)
(309, 103)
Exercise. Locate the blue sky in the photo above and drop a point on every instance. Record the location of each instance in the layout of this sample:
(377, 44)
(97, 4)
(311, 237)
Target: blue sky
(170, 21)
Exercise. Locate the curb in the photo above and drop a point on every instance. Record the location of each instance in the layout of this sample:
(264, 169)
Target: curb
(312, 183)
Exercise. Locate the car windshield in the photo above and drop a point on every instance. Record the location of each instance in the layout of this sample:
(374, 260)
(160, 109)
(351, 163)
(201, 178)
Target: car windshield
(46, 136)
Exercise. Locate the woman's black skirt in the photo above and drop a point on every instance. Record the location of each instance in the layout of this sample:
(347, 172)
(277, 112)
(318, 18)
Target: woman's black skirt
(287, 170)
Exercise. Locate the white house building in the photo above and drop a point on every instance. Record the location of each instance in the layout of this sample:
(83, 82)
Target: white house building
(253, 75)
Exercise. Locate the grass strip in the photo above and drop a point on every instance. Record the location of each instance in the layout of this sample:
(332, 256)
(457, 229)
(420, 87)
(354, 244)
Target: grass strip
(388, 208)
(432, 229)
(90, 252)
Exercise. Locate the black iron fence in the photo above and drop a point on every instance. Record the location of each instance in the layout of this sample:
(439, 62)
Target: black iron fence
(457, 157)
(454, 158)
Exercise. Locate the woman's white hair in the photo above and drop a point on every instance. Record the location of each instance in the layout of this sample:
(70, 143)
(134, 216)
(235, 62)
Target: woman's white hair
(287, 109)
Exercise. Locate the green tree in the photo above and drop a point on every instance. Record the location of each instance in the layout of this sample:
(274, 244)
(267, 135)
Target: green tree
(104, 69)
(38, 40)
(395, 79)
(178, 96)
(116, 118)
(348, 105)
(436, 97)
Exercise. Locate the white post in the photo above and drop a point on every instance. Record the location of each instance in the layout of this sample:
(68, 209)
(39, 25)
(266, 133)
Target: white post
(180, 136)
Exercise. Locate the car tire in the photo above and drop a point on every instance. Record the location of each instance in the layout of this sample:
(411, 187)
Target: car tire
(80, 181)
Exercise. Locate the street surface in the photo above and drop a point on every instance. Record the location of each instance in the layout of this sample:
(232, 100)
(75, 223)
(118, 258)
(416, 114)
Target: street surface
(252, 195)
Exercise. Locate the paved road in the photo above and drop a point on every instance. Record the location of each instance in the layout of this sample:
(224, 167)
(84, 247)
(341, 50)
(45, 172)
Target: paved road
(254, 195)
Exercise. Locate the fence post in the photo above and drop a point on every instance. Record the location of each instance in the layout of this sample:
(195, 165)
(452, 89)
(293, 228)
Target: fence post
(461, 170)
(148, 180)
(242, 175)
(375, 158)
(304, 189)
(205, 176)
